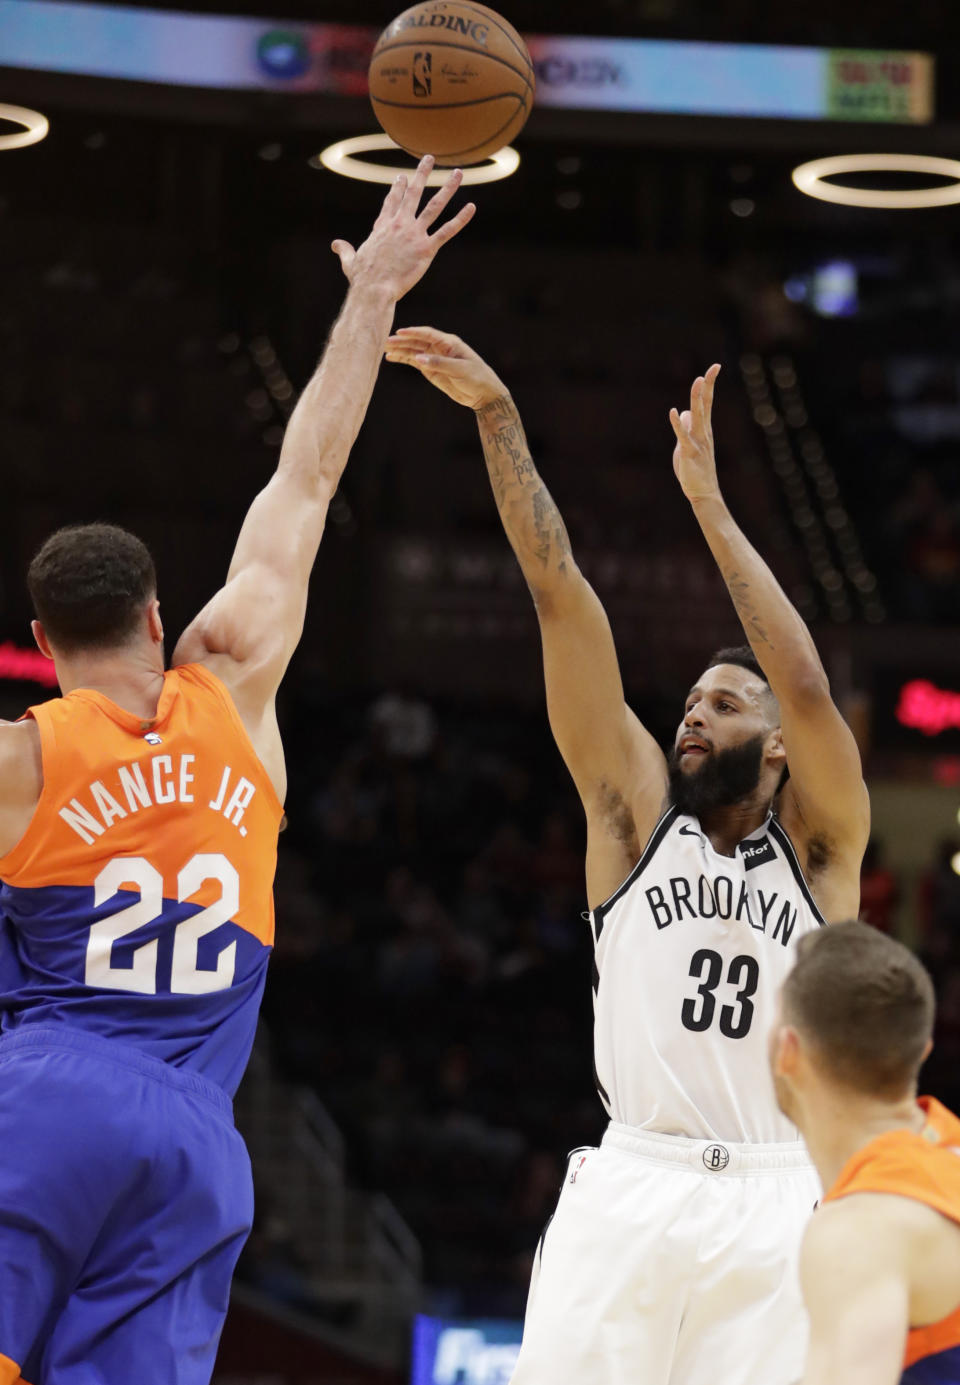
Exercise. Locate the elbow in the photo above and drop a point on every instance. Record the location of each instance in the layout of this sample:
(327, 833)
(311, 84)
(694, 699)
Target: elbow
(544, 600)
(554, 590)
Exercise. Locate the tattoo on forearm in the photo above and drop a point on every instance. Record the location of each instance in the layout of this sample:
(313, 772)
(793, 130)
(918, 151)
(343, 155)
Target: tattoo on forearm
(541, 523)
(500, 410)
(739, 589)
(518, 490)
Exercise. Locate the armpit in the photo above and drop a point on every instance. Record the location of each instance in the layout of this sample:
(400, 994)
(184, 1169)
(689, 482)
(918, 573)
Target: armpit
(821, 853)
(821, 849)
(616, 817)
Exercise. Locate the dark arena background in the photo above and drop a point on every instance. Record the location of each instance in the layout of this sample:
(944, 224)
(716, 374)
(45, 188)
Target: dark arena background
(424, 1060)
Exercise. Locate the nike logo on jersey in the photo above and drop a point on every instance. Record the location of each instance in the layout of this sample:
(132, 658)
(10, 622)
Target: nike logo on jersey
(706, 899)
(687, 831)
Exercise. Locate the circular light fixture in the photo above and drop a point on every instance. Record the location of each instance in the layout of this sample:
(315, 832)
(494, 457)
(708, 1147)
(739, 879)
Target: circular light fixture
(339, 158)
(809, 178)
(35, 126)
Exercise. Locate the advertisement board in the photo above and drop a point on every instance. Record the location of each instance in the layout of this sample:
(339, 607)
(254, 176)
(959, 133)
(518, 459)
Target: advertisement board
(581, 73)
(464, 1351)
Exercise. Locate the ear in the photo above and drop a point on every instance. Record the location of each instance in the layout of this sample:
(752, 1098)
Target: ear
(774, 751)
(154, 623)
(928, 1049)
(43, 644)
(785, 1051)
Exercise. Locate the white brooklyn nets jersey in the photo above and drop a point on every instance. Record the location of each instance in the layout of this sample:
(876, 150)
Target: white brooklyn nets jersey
(691, 951)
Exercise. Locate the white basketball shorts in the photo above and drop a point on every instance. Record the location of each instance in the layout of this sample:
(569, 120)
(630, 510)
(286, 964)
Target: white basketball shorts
(671, 1262)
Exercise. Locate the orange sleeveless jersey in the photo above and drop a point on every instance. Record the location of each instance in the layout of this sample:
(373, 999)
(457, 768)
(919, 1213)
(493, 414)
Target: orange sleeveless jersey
(139, 902)
(924, 1166)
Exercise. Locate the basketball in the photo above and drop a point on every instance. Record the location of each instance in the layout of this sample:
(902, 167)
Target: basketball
(452, 79)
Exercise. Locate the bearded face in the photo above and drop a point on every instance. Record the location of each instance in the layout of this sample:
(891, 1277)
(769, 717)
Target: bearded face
(722, 778)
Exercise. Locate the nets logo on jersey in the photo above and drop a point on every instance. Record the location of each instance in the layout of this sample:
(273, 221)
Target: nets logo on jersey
(716, 1158)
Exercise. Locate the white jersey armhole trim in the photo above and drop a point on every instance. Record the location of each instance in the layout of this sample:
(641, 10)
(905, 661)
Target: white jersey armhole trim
(656, 837)
(782, 838)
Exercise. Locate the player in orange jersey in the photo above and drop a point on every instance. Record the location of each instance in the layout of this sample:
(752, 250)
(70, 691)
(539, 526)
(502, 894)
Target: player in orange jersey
(881, 1258)
(139, 815)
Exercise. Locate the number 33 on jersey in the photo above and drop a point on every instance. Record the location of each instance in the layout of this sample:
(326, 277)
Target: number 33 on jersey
(690, 954)
(139, 901)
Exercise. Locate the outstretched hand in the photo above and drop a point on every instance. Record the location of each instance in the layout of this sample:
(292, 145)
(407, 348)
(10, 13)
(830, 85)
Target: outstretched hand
(693, 459)
(399, 250)
(448, 363)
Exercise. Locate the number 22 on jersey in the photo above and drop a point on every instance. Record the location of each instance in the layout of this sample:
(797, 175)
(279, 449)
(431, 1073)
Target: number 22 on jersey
(186, 978)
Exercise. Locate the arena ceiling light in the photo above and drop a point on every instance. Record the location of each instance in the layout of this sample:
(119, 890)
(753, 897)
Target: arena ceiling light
(809, 178)
(340, 158)
(35, 126)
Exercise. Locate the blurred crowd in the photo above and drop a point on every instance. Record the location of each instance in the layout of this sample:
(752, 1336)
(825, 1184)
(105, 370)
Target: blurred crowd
(432, 976)
(892, 411)
(432, 971)
(913, 500)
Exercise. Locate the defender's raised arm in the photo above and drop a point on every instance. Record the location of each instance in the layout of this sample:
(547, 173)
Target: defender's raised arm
(618, 768)
(249, 630)
(825, 804)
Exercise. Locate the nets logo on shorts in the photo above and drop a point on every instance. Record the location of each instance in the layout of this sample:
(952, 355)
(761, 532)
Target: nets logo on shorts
(716, 1158)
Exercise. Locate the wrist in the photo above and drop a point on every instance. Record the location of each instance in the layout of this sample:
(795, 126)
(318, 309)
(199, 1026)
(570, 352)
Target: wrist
(497, 394)
(372, 293)
(711, 506)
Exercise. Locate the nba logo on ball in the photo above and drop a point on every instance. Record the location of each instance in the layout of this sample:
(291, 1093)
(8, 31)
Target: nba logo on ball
(422, 63)
(716, 1158)
(283, 53)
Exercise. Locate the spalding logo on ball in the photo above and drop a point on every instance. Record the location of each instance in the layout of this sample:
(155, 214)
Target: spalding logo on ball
(451, 79)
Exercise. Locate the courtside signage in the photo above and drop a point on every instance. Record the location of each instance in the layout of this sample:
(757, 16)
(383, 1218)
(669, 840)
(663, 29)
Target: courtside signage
(464, 1351)
(765, 81)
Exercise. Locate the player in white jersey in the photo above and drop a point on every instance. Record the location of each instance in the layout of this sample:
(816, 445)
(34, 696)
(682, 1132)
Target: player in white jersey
(670, 1259)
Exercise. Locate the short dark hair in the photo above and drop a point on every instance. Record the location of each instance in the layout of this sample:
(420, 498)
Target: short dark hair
(866, 1004)
(743, 656)
(89, 584)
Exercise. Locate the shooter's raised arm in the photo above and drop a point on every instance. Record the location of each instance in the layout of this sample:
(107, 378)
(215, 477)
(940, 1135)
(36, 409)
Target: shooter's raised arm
(824, 806)
(618, 768)
(250, 628)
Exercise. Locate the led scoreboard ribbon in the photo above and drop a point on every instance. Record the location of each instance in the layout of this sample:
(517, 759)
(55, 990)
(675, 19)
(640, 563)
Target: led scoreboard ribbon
(617, 74)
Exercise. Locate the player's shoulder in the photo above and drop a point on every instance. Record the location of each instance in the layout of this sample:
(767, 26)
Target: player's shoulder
(19, 749)
(246, 709)
(21, 777)
(883, 1230)
(857, 1236)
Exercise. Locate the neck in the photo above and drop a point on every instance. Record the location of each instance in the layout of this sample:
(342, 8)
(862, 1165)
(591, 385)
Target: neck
(836, 1123)
(132, 678)
(726, 827)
